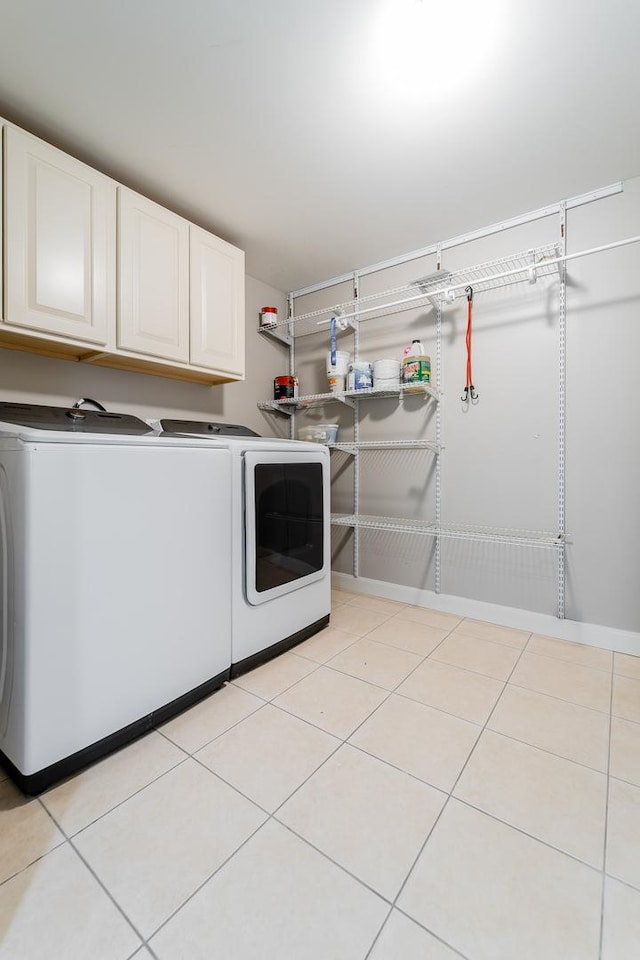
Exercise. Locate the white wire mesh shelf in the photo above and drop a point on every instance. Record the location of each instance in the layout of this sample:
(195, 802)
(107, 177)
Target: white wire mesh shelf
(387, 445)
(290, 404)
(453, 531)
(526, 266)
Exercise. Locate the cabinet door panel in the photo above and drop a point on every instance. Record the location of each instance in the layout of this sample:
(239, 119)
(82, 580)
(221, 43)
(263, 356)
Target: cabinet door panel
(153, 309)
(217, 303)
(60, 238)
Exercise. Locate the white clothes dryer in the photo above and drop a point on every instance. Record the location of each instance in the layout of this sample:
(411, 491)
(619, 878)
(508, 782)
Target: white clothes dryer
(280, 543)
(114, 583)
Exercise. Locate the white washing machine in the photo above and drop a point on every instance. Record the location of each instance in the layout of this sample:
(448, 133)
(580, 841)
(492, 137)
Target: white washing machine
(280, 544)
(114, 583)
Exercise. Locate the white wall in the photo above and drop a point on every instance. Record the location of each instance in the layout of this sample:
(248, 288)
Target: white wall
(500, 465)
(27, 377)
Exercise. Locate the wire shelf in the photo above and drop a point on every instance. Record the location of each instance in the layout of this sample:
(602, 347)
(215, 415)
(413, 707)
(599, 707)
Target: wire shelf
(290, 404)
(453, 531)
(387, 445)
(526, 266)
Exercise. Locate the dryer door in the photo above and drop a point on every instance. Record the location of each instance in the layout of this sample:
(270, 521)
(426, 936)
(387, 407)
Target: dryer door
(286, 522)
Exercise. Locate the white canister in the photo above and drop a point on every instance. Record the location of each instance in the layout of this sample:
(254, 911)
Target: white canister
(384, 384)
(386, 370)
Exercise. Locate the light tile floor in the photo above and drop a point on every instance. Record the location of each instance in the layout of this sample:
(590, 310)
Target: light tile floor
(406, 785)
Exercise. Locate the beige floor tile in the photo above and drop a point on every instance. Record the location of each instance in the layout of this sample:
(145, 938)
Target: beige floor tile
(621, 932)
(623, 832)
(408, 635)
(627, 665)
(580, 653)
(567, 681)
(376, 663)
(402, 939)
(325, 644)
(429, 618)
(154, 850)
(424, 742)
(332, 701)
(92, 793)
(342, 596)
(273, 678)
(626, 698)
(625, 750)
(277, 899)
(365, 815)
(26, 831)
(483, 656)
(550, 798)
(377, 604)
(55, 909)
(492, 631)
(566, 729)
(495, 894)
(356, 620)
(268, 755)
(207, 720)
(460, 692)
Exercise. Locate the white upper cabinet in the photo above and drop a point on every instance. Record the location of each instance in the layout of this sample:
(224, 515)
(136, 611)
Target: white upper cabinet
(59, 241)
(153, 278)
(217, 303)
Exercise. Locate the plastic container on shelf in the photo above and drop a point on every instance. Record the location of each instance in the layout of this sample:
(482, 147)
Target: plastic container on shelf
(268, 317)
(319, 433)
(337, 373)
(386, 374)
(360, 375)
(416, 368)
(285, 388)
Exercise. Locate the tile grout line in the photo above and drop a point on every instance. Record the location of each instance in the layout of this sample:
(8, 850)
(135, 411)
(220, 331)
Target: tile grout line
(606, 816)
(77, 833)
(100, 883)
(269, 663)
(217, 736)
(520, 686)
(449, 795)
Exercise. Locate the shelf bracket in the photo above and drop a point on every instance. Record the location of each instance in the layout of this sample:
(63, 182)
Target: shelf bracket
(276, 334)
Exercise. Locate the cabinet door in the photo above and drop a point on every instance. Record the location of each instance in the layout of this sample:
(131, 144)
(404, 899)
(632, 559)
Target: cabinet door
(60, 242)
(153, 277)
(217, 303)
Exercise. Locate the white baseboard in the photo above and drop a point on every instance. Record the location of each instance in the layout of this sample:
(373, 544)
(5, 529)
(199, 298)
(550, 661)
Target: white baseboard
(622, 641)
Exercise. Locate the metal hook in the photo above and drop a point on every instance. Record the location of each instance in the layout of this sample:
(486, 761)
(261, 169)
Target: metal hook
(469, 293)
(470, 393)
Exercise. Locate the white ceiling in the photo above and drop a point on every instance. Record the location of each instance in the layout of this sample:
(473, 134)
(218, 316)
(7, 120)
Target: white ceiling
(321, 137)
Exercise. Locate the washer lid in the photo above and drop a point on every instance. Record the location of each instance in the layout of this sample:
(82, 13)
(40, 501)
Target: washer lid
(206, 428)
(71, 419)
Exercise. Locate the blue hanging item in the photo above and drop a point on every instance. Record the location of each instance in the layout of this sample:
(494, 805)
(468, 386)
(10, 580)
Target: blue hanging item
(333, 341)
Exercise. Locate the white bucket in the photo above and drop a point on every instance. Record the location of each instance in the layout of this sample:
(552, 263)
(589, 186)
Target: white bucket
(341, 364)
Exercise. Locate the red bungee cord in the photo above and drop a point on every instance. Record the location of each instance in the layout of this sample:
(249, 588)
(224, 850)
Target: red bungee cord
(470, 392)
